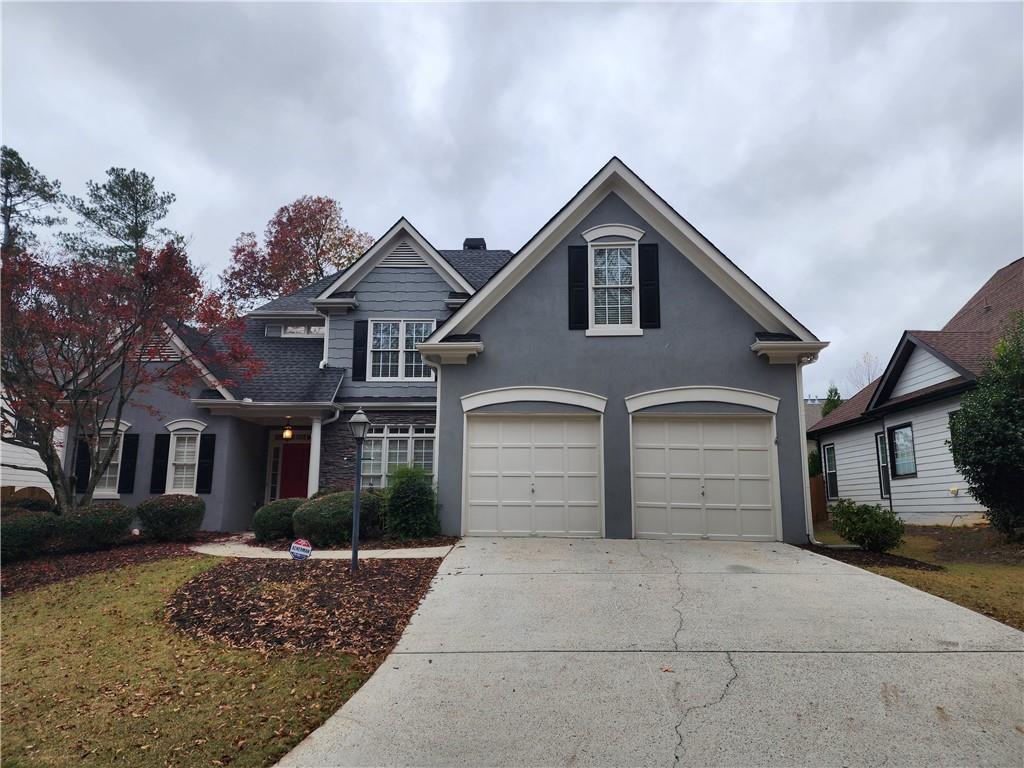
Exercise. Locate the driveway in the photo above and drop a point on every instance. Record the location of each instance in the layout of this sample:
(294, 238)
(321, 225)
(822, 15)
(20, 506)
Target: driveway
(531, 652)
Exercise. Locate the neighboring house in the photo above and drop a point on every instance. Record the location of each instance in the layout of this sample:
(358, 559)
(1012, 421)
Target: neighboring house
(812, 414)
(618, 376)
(888, 443)
(17, 462)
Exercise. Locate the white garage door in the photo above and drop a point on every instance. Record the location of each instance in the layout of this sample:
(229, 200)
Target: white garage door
(533, 475)
(703, 478)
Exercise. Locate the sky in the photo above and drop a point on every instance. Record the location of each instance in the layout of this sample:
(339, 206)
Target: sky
(863, 163)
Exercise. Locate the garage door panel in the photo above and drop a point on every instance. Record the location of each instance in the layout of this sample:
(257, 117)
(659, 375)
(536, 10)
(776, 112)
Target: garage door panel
(515, 489)
(549, 459)
(486, 430)
(484, 518)
(549, 489)
(581, 459)
(483, 488)
(728, 459)
(515, 459)
(483, 459)
(584, 519)
(516, 432)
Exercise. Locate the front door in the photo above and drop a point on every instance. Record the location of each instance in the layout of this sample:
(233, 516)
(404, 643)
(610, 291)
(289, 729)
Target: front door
(294, 470)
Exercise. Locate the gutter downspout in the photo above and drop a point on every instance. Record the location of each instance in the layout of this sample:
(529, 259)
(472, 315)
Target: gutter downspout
(805, 472)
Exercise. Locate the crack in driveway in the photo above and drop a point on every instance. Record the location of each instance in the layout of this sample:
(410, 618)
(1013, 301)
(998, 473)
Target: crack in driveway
(705, 705)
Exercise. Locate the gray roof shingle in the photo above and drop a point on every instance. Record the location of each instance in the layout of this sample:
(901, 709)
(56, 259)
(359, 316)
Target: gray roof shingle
(477, 266)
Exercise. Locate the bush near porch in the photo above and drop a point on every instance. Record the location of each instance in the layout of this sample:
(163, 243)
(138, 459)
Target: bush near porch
(273, 521)
(326, 521)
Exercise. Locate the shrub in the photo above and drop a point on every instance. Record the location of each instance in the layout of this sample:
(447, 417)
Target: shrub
(814, 464)
(35, 505)
(95, 527)
(274, 520)
(869, 526)
(326, 521)
(411, 505)
(173, 517)
(987, 435)
(25, 532)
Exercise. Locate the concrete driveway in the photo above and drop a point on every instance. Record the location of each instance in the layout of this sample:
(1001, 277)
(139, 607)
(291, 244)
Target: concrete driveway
(531, 652)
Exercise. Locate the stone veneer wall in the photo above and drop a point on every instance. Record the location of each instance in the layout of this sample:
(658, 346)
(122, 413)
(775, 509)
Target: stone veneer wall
(338, 447)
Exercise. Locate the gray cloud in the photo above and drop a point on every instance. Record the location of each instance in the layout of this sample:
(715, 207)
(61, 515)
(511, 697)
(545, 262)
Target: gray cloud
(863, 163)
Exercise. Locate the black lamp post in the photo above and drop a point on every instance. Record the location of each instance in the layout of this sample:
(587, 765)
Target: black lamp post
(358, 424)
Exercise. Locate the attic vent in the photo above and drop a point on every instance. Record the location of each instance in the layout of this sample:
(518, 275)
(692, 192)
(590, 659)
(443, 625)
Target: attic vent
(403, 255)
(160, 349)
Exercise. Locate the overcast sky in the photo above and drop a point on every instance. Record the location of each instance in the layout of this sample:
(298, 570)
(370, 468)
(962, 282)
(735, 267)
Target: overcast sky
(862, 163)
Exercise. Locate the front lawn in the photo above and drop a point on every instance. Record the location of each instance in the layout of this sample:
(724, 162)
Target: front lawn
(93, 674)
(979, 569)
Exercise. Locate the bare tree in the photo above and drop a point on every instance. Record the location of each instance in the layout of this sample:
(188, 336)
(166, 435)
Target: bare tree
(863, 372)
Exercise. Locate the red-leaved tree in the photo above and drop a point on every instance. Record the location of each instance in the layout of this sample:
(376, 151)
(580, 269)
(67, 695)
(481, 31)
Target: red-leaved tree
(305, 241)
(80, 340)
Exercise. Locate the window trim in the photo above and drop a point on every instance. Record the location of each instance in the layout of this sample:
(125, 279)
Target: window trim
(114, 494)
(409, 435)
(632, 329)
(891, 439)
(883, 469)
(169, 480)
(401, 348)
(833, 470)
(306, 332)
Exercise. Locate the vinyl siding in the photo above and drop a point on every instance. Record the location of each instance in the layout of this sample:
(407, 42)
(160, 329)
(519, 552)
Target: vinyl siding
(922, 370)
(22, 478)
(388, 293)
(856, 463)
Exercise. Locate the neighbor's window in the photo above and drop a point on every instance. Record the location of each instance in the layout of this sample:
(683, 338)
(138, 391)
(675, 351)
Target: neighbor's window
(613, 283)
(393, 352)
(387, 447)
(831, 475)
(184, 458)
(901, 447)
(882, 456)
(107, 484)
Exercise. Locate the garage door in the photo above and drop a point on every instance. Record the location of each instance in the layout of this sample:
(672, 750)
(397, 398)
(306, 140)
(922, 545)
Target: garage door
(533, 475)
(703, 478)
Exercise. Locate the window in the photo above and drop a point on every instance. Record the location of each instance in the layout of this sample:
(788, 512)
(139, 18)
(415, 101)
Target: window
(882, 456)
(107, 485)
(393, 352)
(831, 476)
(387, 447)
(901, 448)
(303, 329)
(613, 287)
(182, 466)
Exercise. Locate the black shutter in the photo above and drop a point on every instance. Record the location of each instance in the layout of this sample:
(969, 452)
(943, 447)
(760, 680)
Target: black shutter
(650, 292)
(82, 466)
(204, 470)
(129, 455)
(158, 479)
(579, 309)
(359, 331)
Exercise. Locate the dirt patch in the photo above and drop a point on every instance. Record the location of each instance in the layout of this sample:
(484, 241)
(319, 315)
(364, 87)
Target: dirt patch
(52, 568)
(974, 544)
(863, 559)
(312, 605)
(282, 545)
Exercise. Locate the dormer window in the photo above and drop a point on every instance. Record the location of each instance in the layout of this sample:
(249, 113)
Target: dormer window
(613, 280)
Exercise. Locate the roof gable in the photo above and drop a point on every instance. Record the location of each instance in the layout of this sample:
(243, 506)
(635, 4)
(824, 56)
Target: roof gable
(616, 177)
(921, 370)
(915, 366)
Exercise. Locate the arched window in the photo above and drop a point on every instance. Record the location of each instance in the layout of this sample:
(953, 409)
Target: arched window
(183, 457)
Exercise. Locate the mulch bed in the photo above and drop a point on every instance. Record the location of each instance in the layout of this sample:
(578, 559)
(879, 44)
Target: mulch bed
(861, 559)
(51, 568)
(974, 544)
(429, 541)
(311, 605)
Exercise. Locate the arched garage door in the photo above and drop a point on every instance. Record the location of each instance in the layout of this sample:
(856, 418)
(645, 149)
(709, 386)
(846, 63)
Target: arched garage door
(707, 477)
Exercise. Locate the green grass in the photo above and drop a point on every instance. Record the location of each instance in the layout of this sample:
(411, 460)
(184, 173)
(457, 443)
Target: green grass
(982, 571)
(91, 675)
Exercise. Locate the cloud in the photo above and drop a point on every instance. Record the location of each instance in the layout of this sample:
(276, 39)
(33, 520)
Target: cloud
(863, 162)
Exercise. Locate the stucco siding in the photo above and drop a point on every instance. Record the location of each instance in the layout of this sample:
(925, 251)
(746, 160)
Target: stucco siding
(922, 370)
(704, 339)
(388, 293)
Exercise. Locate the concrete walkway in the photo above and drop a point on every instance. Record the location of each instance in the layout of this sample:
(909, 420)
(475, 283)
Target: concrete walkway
(244, 546)
(625, 653)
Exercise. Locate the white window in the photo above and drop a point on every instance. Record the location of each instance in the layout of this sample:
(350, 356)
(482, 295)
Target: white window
(107, 485)
(613, 276)
(183, 461)
(387, 447)
(393, 354)
(303, 329)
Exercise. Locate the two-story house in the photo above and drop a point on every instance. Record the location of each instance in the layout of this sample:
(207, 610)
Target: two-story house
(617, 376)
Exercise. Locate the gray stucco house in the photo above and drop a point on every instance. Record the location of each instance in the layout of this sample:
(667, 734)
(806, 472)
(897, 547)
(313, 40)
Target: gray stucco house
(617, 376)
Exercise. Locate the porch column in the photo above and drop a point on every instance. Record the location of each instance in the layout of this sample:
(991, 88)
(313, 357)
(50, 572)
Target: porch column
(314, 458)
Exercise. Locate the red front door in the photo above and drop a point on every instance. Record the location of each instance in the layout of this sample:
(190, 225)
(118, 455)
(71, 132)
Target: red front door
(294, 470)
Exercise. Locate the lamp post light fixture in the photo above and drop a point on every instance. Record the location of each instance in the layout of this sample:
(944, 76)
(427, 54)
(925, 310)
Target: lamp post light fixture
(287, 433)
(359, 424)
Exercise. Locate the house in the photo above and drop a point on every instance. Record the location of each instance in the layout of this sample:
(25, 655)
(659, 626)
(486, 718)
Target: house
(19, 464)
(812, 414)
(618, 376)
(888, 444)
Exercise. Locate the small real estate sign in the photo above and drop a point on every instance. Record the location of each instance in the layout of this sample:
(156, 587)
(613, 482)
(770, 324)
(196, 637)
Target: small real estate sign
(300, 549)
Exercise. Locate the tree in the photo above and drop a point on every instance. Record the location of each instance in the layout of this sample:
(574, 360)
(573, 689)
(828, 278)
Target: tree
(987, 434)
(25, 196)
(305, 241)
(832, 400)
(119, 217)
(863, 372)
(78, 338)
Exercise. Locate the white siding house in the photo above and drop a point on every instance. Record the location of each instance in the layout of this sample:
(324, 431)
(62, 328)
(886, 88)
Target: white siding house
(922, 370)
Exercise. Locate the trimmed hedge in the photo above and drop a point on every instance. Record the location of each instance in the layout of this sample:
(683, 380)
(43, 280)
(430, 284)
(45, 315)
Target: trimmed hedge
(411, 505)
(25, 532)
(35, 505)
(172, 517)
(326, 521)
(95, 527)
(869, 526)
(274, 520)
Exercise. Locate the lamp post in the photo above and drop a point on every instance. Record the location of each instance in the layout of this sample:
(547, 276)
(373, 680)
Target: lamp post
(358, 424)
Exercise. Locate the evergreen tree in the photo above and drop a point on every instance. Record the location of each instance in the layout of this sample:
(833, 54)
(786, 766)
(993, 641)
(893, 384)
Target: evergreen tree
(25, 197)
(832, 400)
